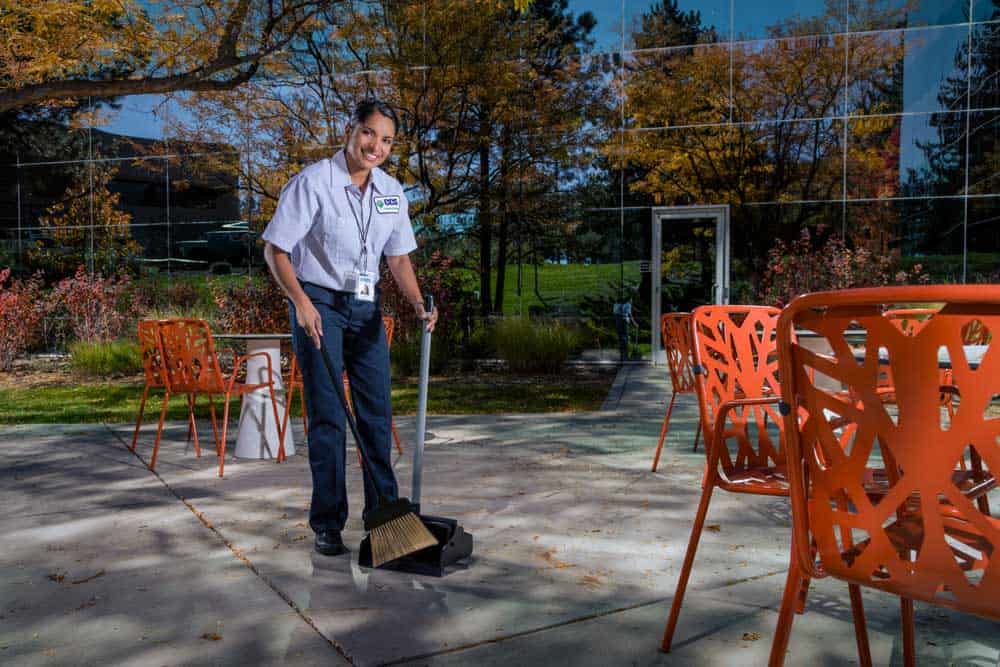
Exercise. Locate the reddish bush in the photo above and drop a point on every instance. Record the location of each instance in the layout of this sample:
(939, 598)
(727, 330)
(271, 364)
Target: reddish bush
(96, 308)
(807, 265)
(255, 306)
(21, 310)
(437, 278)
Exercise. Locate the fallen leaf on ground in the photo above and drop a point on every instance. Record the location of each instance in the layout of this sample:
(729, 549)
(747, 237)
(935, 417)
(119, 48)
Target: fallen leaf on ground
(714, 527)
(55, 576)
(751, 636)
(86, 579)
(212, 636)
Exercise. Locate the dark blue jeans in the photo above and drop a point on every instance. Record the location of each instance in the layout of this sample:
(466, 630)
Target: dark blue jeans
(354, 339)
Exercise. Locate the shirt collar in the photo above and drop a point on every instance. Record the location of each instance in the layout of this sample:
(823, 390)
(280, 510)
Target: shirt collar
(341, 177)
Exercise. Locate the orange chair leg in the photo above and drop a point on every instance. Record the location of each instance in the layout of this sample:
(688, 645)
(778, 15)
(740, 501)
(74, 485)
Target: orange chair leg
(909, 635)
(860, 626)
(192, 427)
(138, 420)
(699, 521)
(277, 423)
(697, 435)
(663, 431)
(159, 430)
(225, 432)
(215, 425)
(783, 631)
(395, 435)
(289, 397)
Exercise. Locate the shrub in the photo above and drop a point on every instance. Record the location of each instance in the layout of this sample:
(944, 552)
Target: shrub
(807, 265)
(438, 278)
(534, 346)
(96, 308)
(20, 313)
(104, 359)
(254, 306)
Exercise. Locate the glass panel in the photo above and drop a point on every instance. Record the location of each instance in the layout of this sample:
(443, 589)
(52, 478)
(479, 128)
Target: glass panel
(43, 141)
(680, 86)
(749, 163)
(754, 19)
(925, 232)
(911, 70)
(906, 156)
(755, 230)
(687, 263)
(985, 10)
(12, 249)
(652, 24)
(984, 153)
(985, 72)
(140, 125)
(882, 14)
(8, 197)
(788, 78)
(983, 241)
(607, 18)
(153, 239)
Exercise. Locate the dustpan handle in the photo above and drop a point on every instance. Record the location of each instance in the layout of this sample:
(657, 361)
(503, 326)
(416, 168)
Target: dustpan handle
(425, 371)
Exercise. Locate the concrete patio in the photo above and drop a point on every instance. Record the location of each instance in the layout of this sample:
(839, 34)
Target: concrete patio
(578, 546)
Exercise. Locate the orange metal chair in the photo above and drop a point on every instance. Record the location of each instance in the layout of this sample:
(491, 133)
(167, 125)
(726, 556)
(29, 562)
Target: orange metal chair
(923, 537)
(295, 381)
(193, 365)
(675, 329)
(151, 348)
(735, 370)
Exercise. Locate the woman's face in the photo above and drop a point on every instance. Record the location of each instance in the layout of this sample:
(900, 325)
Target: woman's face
(369, 143)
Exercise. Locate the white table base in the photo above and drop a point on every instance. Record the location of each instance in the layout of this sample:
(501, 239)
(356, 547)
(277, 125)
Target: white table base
(257, 436)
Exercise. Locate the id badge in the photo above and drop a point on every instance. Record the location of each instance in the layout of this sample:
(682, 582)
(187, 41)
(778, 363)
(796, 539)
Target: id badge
(365, 288)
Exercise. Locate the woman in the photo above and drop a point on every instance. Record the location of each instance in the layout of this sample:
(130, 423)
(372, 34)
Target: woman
(334, 221)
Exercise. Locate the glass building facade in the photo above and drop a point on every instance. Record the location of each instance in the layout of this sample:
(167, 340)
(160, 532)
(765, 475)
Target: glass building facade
(539, 150)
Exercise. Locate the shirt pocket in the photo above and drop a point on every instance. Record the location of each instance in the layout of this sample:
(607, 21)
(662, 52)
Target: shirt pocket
(334, 227)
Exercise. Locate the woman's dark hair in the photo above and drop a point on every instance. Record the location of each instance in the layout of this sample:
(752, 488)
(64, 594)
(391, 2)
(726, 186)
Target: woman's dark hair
(367, 107)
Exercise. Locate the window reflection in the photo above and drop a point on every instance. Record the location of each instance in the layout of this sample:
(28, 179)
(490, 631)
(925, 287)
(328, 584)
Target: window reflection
(754, 19)
(651, 24)
(983, 241)
(887, 14)
(782, 79)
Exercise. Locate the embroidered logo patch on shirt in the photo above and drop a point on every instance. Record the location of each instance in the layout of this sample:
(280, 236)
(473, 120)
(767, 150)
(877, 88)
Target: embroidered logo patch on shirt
(387, 204)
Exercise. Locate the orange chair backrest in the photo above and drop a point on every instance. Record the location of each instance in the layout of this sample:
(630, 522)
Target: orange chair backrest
(189, 355)
(675, 330)
(736, 358)
(920, 537)
(151, 349)
(390, 326)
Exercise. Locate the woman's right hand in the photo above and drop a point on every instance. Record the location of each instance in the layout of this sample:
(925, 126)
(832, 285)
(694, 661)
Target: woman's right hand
(310, 321)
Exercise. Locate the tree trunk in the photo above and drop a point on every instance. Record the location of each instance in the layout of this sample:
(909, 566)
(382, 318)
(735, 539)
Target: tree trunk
(502, 233)
(485, 218)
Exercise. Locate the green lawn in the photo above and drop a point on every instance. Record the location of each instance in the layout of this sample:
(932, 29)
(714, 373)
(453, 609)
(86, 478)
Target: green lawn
(72, 403)
(559, 284)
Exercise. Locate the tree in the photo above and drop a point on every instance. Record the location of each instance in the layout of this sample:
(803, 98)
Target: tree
(759, 136)
(489, 100)
(86, 228)
(56, 51)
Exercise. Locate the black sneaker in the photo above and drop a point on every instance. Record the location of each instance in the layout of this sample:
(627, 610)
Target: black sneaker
(328, 543)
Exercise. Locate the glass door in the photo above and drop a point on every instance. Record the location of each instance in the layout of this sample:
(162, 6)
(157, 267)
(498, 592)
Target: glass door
(689, 263)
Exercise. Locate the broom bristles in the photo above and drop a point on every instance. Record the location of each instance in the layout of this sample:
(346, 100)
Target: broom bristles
(399, 537)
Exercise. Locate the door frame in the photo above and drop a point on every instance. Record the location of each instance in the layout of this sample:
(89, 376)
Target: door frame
(665, 214)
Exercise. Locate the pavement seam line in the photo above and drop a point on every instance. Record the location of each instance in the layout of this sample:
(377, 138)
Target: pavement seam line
(237, 552)
(544, 628)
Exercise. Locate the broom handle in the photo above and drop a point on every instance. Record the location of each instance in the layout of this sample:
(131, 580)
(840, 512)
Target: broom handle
(425, 371)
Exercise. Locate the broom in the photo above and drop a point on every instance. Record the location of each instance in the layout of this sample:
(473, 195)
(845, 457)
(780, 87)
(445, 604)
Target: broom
(394, 530)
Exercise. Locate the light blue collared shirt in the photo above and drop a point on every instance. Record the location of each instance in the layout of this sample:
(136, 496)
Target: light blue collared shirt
(314, 224)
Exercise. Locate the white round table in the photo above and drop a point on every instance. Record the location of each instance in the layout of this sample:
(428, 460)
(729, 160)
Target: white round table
(257, 435)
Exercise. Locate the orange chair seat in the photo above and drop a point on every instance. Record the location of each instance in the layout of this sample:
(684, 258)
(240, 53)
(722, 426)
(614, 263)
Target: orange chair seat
(768, 481)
